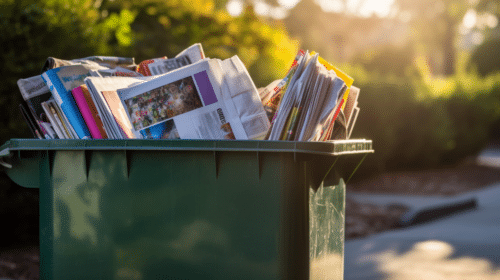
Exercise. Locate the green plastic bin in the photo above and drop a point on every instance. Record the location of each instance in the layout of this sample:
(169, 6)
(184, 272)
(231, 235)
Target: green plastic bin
(186, 209)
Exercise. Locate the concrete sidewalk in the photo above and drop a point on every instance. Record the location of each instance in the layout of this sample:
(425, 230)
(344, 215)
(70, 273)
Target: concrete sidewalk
(490, 156)
(462, 246)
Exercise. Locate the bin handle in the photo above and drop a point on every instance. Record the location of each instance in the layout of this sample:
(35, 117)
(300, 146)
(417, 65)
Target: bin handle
(3, 153)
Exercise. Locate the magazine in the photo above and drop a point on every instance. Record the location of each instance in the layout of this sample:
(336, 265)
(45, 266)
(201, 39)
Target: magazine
(34, 92)
(188, 96)
(57, 121)
(89, 112)
(103, 93)
(211, 99)
(30, 121)
(60, 82)
(311, 102)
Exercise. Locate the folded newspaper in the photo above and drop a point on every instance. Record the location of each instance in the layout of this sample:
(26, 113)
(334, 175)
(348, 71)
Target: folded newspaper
(211, 99)
(309, 104)
(188, 96)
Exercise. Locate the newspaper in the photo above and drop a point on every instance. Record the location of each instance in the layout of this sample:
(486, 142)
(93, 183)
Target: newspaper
(240, 94)
(117, 71)
(211, 99)
(109, 61)
(106, 62)
(195, 53)
(160, 66)
(309, 104)
(352, 122)
(190, 96)
(164, 65)
(273, 94)
(32, 87)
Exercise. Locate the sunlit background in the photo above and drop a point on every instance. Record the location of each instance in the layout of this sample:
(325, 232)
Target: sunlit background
(359, 8)
(428, 70)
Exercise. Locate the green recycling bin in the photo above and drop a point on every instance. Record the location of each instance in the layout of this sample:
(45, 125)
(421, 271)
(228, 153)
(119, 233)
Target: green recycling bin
(186, 209)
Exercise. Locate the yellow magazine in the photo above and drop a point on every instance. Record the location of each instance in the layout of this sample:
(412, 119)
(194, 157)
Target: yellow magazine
(346, 78)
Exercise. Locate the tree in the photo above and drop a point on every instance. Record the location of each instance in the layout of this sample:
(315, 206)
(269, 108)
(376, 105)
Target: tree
(31, 33)
(485, 58)
(435, 26)
(163, 28)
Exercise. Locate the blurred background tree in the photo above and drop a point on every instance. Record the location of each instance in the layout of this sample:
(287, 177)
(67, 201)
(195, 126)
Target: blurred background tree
(485, 59)
(426, 69)
(434, 26)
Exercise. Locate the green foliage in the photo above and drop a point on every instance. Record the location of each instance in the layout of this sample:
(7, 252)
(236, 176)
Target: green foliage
(387, 60)
(164, 28)
(434, 27)
(418, 122)
(29, 35)
(486, 57)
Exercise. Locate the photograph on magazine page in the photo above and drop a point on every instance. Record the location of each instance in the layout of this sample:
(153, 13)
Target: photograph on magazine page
(164, 130)
(163, 103)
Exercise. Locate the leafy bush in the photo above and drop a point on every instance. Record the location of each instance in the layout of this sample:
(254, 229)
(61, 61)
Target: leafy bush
(421, 122)
(486, 57)
(387, 60)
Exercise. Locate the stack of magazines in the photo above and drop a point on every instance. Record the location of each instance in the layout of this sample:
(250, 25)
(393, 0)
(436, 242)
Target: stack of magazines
(187, 97)
(314, 102)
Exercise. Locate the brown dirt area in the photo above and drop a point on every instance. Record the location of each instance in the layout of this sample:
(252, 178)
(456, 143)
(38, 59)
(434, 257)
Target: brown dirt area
(365, 219)
(20, 263)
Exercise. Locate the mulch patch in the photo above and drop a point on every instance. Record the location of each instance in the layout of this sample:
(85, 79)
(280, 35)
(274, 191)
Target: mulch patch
(446, 181)
(364, 219)
(20, 263)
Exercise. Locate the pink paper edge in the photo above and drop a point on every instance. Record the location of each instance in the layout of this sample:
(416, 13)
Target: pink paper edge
(85, 110)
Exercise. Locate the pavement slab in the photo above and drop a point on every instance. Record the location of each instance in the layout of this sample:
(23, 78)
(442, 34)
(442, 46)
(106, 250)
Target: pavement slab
(461, 246)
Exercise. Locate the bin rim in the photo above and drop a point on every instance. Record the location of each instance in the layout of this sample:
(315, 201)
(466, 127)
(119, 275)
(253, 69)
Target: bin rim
(328, 148)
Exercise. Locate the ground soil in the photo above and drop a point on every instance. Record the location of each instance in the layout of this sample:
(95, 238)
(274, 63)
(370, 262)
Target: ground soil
(365, 219)
(22, 262)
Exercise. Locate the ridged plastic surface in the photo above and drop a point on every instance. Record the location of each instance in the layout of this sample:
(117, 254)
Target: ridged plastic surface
(184, 209)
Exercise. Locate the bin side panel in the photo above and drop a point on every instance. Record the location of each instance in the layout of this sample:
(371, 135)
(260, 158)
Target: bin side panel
(167, 192)
(198, 215)
(46, 217)
(326, 231)
(81, 248)
(294, 219)
(250, 191)
(140, 214)
(25, 171)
